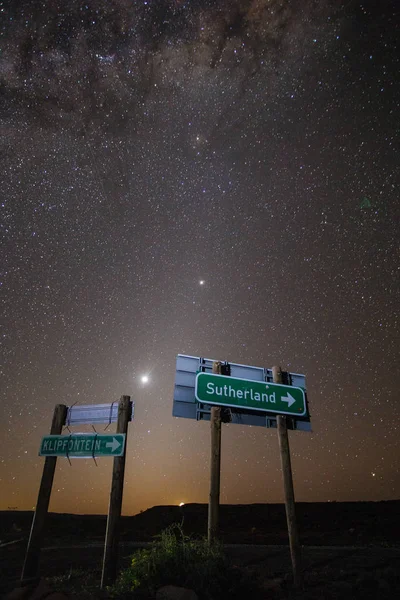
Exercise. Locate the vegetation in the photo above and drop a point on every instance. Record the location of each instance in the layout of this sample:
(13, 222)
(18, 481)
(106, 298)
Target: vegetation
(176, 559)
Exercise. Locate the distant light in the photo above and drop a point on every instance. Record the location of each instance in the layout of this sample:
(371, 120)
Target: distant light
(144, 379)
(201, 282)
(182, 504)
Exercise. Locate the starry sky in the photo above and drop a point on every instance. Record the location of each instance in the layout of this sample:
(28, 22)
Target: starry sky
(147, 146)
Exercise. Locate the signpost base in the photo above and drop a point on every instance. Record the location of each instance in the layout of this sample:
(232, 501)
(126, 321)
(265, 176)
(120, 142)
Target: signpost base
(110, 559)
(295, 551)
(215, 475)
(31, 565)
(213, 505)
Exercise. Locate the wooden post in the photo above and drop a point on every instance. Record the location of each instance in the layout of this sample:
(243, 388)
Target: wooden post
(110, 558)
(295, 550)
(31, 564)
(213, 503)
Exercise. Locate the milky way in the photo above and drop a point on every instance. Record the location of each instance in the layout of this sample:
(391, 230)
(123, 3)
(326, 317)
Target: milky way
(103, 61)
(217, 179)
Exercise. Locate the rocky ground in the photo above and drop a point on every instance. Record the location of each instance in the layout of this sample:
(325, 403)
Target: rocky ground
(351, 550)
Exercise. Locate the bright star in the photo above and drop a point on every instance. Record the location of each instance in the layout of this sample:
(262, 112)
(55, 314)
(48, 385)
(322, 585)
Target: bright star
(201, 282)
(144, 379)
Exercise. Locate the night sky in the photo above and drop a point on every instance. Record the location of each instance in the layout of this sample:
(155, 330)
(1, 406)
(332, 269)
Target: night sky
(149, 146)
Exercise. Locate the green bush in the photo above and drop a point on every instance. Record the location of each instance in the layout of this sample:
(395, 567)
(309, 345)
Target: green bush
(176, 559)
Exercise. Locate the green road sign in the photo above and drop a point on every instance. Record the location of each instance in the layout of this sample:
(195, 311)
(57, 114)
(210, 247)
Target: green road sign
(253, 395)
(83, 445)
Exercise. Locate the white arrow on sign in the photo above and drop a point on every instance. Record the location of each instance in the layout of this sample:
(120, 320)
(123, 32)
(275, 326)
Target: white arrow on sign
(116, 444)
(289, 399)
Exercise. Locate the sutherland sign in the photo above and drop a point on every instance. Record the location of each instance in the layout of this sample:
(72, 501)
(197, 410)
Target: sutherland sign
(248, 394)
(82, 445)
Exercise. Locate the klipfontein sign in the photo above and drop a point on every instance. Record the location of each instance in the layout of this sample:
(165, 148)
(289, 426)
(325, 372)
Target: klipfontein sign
(83, 445)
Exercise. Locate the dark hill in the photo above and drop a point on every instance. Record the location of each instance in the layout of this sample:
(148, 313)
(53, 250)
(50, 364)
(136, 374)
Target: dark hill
(332, 523)
(319, 523)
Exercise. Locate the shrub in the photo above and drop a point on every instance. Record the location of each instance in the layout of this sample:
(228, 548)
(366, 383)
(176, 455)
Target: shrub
(176, 559)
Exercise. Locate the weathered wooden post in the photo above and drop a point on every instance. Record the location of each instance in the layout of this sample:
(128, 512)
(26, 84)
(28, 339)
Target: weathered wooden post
(110, 560)
(295, 550)
(215, 478)
(31, 564)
